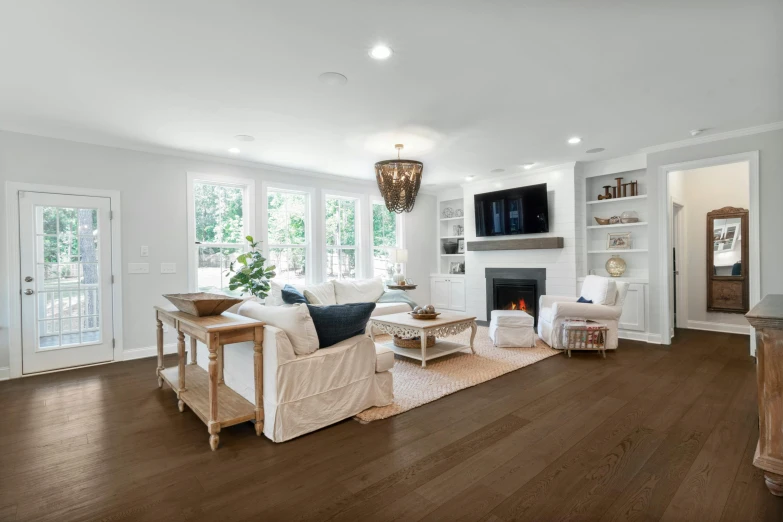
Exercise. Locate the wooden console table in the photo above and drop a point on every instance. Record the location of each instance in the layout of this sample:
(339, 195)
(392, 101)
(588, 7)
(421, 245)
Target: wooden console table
(204, 392)
(767, 318)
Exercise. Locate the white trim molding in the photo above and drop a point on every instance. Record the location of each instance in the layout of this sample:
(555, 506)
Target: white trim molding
(12, 189)
(719, 327)
(5, 373)
(748, 131)
(664, 231)
(644, 337)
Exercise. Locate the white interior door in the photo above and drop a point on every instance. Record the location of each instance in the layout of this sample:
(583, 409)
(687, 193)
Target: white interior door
(65, 260)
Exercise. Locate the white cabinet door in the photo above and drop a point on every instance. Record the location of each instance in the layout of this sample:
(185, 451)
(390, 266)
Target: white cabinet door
(633, 314)
(457, 294)
(440, 292)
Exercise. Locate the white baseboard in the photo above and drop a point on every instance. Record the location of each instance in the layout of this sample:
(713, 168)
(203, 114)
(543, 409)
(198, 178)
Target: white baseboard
(147, 351)
(719, 327)
(644, 337)
(5, 373)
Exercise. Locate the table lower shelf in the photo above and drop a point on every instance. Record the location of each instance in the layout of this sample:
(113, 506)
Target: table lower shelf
(232, 407)
(440, 349)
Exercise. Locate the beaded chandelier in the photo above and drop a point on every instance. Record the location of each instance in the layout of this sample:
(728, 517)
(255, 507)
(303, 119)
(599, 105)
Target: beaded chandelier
(399, 181)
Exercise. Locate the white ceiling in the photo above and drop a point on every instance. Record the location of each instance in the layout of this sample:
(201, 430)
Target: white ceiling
(472, 85)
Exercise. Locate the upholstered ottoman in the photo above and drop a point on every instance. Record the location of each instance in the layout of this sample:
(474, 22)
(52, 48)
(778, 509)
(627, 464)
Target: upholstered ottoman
(512, 329)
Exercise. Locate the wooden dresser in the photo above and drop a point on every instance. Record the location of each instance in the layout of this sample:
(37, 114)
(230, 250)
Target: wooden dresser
(767, 318)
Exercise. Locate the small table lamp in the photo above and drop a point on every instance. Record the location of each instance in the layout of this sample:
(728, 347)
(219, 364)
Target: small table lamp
(398, 257)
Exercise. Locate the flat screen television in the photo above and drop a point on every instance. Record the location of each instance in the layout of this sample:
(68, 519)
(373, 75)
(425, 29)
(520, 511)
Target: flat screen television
(521, 210)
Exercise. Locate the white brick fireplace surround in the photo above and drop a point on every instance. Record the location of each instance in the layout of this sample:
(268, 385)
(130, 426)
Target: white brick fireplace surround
(560, 264)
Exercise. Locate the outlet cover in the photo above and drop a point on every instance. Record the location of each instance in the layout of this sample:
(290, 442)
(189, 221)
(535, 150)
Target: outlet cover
(138, 268)
(145, 251)
(168, 268)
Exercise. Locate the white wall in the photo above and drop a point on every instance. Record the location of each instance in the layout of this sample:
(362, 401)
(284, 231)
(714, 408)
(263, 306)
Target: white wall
(153, 196)
(560, 264)
(701, 191)
(770, 147)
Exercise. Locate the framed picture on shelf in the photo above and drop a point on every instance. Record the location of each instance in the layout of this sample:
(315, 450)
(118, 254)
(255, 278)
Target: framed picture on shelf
(618, 241)
(456, 267)
(461, 246)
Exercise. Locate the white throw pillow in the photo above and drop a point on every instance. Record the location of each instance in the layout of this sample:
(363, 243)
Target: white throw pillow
(245, 298)
(358, 291)
(294, 320)
(321, 294)
(599, 290)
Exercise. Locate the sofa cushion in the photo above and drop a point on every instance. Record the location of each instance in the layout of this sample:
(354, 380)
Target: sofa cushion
(320, 294)
(390, 308)
(293, 296)
(235, 308)
(294, 320)
(357, 291)
(384, 358)
(511, 318)
(336, 323)
(275, 295)
(599, 290)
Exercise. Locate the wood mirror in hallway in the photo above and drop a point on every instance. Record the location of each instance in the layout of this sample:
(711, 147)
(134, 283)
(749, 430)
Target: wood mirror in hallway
(727, 260)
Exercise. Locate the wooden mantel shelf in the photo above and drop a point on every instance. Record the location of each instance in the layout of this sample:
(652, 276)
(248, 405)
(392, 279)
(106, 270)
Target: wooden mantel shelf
(534, 243)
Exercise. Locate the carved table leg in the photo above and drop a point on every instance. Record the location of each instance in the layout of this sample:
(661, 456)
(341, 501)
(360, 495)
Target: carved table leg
(213, 426)
(193, 346)
(423, 337)
(160, 352)
(181, 363)
(221, 361)
(258, 369)
(473, 329)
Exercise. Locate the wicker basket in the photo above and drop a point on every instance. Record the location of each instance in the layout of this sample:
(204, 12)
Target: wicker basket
(414, 342)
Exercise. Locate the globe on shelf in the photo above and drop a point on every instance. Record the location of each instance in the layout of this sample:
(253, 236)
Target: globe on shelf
(629, 216)
(615, 265)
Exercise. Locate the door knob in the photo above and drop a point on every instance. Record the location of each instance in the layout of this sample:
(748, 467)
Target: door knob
(29, 291)
(28, 279)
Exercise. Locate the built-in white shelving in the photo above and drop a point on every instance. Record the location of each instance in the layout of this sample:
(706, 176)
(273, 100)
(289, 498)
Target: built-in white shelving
(618, 252)
(452, 218)
(447, 233)
(452, 237)
(616, 200)
(619, 225)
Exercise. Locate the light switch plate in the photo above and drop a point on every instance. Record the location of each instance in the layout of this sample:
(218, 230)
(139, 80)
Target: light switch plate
(138, 268)
(168, 268)
(145, 251)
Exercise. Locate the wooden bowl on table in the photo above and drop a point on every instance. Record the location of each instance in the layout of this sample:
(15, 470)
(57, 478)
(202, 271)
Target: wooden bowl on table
(202, 304)
(424, 316)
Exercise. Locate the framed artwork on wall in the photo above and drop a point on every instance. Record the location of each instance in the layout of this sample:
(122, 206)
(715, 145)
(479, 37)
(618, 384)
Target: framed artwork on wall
(618, 241)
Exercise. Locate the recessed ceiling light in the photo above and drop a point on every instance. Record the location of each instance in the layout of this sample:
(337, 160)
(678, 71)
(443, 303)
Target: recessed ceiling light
(333, 79)
(234, 150)
(244, 137)
(527, 166)
(574, 140)
(497, 171)
(381, 52)
(597, 149)
(469, 178)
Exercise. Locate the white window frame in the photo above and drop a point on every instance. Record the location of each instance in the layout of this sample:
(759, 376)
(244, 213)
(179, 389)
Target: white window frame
(358, 232)
(248, 217)
(399, 229)
(310, 269)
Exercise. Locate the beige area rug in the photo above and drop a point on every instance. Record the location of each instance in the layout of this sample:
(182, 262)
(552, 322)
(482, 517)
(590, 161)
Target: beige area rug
(414, 385)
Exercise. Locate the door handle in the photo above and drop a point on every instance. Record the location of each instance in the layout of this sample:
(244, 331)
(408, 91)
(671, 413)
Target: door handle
(28, 279)
(29, 291)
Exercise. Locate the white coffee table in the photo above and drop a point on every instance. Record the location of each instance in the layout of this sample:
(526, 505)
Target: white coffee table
(406, 326)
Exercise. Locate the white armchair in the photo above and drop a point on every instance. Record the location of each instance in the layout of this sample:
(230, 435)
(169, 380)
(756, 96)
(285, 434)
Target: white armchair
(607, 298)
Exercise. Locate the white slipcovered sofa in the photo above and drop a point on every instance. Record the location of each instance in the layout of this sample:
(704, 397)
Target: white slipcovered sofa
(607, 298)
(304, 393)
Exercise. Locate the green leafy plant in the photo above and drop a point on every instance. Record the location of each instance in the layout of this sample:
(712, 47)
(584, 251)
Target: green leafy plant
(250, 274)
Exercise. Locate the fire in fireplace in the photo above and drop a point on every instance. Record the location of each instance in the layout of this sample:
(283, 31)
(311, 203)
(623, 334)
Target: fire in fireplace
(515, 294)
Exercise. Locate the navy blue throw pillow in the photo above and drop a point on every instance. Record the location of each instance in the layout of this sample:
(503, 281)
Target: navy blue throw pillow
(293, 296)
(583, 300)
(335, 323)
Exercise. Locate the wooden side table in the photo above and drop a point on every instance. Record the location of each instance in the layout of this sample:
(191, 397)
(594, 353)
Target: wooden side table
(205, 393)
(767, 318)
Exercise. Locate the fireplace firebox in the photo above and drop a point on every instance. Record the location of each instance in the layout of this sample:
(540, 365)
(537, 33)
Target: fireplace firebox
(515, 289)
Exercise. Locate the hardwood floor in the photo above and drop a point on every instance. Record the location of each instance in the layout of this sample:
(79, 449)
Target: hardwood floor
(650, 433)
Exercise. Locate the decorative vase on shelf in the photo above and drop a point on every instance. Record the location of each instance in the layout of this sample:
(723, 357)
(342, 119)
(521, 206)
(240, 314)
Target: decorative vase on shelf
(615, 265)
(629, 216)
